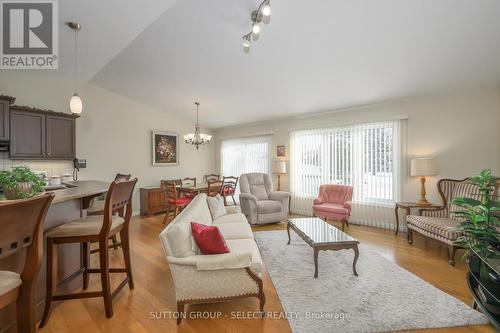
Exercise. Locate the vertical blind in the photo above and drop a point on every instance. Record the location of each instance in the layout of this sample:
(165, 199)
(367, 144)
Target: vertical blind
(365, 156)
(244, 155)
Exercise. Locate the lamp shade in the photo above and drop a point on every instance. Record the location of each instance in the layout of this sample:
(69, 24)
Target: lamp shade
(423, 167)
(279, 167)
(76, 104)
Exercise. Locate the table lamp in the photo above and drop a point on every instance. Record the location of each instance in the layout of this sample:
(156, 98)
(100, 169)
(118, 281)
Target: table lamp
(423, 167)
(279, 168)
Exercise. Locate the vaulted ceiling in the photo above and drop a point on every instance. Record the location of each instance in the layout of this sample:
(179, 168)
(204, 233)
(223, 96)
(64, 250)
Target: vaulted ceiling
(315, 55)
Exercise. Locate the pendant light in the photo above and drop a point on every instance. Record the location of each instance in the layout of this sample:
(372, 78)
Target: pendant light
(197, 138)
(75, 103)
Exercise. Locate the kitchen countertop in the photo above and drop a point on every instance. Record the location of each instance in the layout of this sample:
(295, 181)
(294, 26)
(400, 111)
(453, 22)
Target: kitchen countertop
(77, 190)
(81, 189)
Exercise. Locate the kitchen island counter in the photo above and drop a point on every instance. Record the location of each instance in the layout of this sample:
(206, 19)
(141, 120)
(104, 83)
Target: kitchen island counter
(80, 189)
(69, 204)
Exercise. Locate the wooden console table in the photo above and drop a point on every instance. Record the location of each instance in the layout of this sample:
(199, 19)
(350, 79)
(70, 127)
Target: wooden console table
(407, 206)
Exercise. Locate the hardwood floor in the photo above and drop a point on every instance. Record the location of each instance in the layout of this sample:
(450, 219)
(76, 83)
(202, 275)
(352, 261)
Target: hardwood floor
(145, 308)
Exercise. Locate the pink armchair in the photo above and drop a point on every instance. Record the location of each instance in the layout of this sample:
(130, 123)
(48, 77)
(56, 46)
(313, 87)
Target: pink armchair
(334, 202)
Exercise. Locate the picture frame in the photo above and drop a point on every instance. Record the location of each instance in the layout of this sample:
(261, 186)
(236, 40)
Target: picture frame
(165, 148)
(281, 151)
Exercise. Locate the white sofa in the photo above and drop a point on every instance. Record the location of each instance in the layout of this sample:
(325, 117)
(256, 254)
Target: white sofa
(212, 278)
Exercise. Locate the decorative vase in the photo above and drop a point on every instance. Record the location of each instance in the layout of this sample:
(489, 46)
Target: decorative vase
(13, 193)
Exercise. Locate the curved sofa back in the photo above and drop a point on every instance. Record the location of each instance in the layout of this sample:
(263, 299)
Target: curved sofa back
(176, 238)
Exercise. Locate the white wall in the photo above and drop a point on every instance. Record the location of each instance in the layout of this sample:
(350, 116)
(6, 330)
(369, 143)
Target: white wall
(114, 132)
(460, 129)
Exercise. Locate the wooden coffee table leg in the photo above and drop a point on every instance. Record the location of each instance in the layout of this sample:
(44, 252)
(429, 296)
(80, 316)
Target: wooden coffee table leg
(316, 251)
(288, 231)
(356, 256)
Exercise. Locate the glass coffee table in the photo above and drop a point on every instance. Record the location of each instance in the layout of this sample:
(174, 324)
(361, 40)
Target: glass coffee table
(322, 236)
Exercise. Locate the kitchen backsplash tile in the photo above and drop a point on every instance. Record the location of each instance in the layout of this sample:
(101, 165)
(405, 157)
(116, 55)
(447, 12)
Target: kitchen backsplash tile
(52, 168)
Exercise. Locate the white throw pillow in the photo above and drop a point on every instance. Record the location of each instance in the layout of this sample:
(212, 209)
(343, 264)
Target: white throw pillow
(216, 206)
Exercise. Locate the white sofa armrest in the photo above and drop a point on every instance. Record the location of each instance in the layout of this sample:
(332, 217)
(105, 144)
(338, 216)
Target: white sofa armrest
(215, 262)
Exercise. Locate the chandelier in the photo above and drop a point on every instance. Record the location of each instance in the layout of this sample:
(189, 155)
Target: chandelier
(197, 139)
(261, 15)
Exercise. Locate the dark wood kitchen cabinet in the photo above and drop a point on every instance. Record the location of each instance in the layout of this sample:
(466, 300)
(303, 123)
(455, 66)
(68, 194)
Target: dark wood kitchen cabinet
(60, 139)
(27, 135)
(41, 134)
(5, 102)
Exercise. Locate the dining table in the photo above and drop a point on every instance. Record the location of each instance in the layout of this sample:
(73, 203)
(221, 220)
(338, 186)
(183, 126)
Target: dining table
(190, 188)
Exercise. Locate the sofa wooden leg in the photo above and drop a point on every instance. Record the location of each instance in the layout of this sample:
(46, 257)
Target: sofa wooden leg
(180, 312)
(451, 252)
(262, 302)
(409, 236)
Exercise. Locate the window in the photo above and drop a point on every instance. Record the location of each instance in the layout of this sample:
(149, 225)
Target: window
(244, 155)
(364, 156)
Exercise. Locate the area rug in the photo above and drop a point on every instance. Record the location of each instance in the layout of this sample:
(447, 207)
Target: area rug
(383, 298)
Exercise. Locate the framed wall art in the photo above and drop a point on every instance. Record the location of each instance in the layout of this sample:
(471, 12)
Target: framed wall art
(280, 151)
(165, 148)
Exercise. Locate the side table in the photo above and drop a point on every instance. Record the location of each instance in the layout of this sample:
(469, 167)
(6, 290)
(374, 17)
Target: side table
(408, 206)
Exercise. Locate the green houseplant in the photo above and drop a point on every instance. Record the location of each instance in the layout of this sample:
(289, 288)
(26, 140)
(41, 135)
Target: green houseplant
(481, 235)
(481, 217)
(21, 182)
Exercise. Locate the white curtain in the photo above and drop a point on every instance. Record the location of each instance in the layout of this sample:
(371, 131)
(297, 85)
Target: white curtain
(365, 156)
(244, 155)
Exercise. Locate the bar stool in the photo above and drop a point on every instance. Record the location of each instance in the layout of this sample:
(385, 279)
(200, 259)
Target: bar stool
(22, 228)
(97, 208)
(94, 229)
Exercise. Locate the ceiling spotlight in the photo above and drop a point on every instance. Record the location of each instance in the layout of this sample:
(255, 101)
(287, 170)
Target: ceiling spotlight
(266, 10)
(261, 14)
(255, 28)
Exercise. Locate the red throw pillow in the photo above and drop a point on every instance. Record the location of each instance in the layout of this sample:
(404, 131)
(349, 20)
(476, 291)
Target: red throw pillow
(209, 239)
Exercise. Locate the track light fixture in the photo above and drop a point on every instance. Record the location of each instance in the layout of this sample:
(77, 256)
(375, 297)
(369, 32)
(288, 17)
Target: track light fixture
(257, 17)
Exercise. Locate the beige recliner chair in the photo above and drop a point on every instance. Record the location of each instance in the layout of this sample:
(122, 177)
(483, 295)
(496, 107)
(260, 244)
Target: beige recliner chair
(259, 203)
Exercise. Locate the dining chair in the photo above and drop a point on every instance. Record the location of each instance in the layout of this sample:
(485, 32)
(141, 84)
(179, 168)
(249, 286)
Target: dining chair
(214, 187)
(22, 224)
(94, 229)
(210, 177)
(229, 184)
(97, 208)
(173, 199)
(188, 182)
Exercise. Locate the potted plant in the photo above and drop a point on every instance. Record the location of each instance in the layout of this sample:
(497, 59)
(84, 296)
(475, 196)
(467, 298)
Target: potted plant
(481, 235)
(481, 223)
(21, 183)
